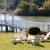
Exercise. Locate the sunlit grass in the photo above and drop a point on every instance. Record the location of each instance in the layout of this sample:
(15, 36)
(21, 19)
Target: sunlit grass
(7, 44)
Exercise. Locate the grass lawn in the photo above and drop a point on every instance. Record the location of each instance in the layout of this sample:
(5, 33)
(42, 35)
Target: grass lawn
(7, 44)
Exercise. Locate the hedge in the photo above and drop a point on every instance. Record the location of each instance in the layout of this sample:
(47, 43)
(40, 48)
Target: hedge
(34, 30)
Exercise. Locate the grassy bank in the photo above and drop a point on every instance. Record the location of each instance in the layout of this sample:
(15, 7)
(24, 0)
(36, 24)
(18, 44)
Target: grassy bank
(7, 44)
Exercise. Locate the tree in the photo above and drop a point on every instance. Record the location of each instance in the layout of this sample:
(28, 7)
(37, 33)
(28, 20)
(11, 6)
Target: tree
(16, 2)
(14, 5)
(24, 6)
(46, 5)
(1, 4)
(33, 9)
(38, 2)
(25, 0)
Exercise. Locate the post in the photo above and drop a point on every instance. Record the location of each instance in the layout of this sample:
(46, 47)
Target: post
(6, 28)
(13, 23)
(16, 30)
(1, 25)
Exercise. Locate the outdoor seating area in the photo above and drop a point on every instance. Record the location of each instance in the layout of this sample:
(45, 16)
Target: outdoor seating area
(31, 39)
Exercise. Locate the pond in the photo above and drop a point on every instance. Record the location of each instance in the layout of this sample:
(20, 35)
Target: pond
(27, 18)
(34, 18)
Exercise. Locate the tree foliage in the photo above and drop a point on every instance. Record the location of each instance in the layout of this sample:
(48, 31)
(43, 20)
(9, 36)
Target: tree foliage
(24, 6)
(1, 6)
(34, 30)
(38, 2)
(35, 7)
(46, 5)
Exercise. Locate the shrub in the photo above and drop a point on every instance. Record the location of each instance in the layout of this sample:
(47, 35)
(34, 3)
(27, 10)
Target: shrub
(17, 11)
(33, 9)
(34, 30)
(24, 6)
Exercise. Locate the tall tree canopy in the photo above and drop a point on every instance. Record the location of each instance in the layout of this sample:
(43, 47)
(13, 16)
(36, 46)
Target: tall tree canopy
(38, 2)
(46, 5)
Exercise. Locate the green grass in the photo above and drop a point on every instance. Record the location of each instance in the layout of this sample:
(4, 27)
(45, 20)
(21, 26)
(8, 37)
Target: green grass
(7, 44)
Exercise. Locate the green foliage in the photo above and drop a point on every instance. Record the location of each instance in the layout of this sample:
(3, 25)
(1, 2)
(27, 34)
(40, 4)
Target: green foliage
(46, 5)
(33, 8)
(34, 30)
(24, 6)
(18, 11)
(38, 2)
(2, 7)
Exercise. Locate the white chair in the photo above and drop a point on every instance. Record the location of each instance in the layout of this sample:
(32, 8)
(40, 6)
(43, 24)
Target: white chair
(23, 35)
(20, 38)
(44, 38)
(30, 38)
(36, 40)
(40, 38)
(17, 39)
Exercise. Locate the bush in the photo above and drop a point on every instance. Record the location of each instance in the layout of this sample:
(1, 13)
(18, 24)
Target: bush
(24, 6)
(34, 30)
(18, 11)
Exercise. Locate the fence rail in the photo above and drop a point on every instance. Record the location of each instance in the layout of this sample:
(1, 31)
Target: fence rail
(26, 24)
